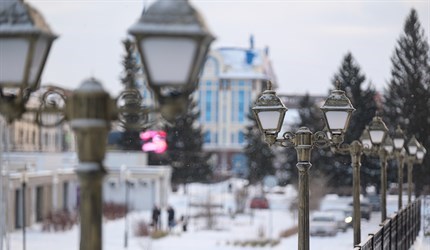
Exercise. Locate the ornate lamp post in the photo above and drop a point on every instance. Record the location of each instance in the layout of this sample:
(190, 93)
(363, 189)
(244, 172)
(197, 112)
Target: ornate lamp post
(269, 112)
(173, 42)
(399, 141)
(381, 145)
(413, 146)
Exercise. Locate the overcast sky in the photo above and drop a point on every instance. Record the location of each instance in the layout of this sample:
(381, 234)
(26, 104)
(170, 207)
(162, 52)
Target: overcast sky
(307, 39)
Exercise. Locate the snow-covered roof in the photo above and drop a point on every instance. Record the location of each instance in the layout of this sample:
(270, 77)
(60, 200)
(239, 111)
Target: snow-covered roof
(241, 63)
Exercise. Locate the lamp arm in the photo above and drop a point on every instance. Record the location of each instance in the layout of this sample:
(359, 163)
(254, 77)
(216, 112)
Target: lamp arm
(52, 101)
(320, 139)
(343, 149)
(287, 140)
(132, 115)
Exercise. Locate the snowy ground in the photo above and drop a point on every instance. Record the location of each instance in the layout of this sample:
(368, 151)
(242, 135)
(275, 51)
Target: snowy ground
(228, 230)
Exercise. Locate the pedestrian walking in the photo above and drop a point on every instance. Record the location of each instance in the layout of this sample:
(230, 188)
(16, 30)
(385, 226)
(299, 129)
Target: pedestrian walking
(170, 217)
(156, 217)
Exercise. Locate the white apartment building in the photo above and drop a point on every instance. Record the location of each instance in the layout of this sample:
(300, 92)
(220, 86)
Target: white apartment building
(231, 81)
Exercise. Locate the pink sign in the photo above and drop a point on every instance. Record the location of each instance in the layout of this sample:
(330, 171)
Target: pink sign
(154, 141)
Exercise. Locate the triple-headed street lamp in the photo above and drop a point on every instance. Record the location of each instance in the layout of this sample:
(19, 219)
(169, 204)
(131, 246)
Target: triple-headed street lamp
(173, 42)
(270, 112)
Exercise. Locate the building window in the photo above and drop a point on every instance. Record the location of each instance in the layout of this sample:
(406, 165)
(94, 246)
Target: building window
(233, 138)
(207, 137)
(208, 110)
(241, 137)
(241, 106)
(216, 105)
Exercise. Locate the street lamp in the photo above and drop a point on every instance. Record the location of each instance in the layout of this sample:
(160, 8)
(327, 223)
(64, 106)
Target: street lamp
(379, 144)
(412, 146)
(126, 178)
(377, 131)
(25, 42)
(173, 42)
(269, 112)
(399, 141)
(337, 110)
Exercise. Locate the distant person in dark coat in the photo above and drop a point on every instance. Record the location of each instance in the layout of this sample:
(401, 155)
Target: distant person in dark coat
(156, 217)
(170, 217)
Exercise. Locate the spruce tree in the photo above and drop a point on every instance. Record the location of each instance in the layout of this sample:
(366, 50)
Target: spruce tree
(130, 137)
(362, 97)
(185, 150)
(260, 156)
(408, 92)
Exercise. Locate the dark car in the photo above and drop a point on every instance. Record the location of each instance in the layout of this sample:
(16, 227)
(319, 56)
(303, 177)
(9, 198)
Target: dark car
(259, 202)
(365, 209)
(375, 201)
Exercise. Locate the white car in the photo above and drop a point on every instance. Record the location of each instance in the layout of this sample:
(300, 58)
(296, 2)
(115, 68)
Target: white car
(324, 224)
(343, 218)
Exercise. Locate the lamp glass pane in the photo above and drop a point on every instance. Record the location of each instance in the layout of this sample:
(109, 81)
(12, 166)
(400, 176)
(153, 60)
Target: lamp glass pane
(269, 119)
(169, 59)
(412, 150)
(389, 149)
(398, 143)
(336, 119)
(376, 136)
(13, 57)
(366, 142)
(420, 155)
(39, 53)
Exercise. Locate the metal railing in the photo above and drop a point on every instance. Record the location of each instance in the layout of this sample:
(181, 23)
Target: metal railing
(396, 233)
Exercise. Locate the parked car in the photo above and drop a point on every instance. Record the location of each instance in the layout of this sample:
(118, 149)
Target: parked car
(343, 218)
(375, 201)
(365, 208)
(259, 202)
(324, 224)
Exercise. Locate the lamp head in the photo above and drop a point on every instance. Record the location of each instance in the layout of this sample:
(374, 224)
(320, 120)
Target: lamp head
(388, 144)
(413, 145)
(269, 112)
(399, 138)
(337, 110)
(377, 130)
(365, 138)
(173, 41)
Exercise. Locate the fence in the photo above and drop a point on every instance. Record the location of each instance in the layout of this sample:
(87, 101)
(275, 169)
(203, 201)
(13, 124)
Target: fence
(396, 233)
